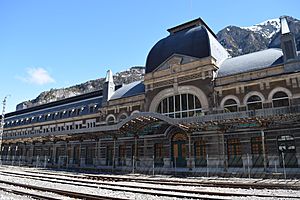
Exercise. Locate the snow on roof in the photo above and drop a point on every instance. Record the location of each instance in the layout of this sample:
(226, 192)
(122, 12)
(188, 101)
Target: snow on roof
(128, 90)
(250, 62)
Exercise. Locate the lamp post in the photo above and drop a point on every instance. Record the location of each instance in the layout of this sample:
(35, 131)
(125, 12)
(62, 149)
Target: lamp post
(2, 127)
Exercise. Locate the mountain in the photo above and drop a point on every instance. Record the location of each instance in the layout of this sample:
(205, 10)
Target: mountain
(243, 40)
(237, 40)
(133, 74)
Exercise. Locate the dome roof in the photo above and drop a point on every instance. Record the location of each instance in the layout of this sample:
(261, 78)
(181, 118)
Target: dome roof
(191, 42)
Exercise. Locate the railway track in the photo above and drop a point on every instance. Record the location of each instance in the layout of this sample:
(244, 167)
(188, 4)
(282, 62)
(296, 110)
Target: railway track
(65, 193)
(164, 181)
(29, 194)
(150, 190)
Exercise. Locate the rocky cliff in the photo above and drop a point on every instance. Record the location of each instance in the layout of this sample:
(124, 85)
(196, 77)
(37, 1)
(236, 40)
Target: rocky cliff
(124, 77)
(243, 40)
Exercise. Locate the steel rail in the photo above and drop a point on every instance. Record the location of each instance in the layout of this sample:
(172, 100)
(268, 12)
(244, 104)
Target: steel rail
(88, 184)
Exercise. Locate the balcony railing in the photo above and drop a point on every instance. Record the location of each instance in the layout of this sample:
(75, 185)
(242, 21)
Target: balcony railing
(210, 116)
(261, 113)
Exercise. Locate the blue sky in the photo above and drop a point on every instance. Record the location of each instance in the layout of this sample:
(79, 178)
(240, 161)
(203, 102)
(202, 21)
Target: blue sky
(58, 43)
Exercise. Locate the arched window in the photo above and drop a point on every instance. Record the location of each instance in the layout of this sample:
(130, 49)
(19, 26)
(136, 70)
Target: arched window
(110, 120)
(254, 103)
(280, 99)
(230, 105)
(180, 106)
(122, 117)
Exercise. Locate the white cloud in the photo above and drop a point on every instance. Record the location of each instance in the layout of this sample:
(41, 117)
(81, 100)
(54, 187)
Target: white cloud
(38, 76)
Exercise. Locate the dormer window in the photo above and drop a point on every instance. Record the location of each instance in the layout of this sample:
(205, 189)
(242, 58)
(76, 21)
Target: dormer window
(91, 109)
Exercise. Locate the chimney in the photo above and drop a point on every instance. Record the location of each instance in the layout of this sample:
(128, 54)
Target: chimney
(108, 87)
(288, 43)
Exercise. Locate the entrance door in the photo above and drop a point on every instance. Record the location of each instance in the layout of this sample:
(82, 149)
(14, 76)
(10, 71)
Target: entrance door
(179, 150)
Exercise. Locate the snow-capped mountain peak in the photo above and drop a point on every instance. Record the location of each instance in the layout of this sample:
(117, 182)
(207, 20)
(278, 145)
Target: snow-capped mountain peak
(242, 40)
(267, 28)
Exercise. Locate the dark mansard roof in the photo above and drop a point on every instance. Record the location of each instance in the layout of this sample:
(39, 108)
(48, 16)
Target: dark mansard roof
(82, 102)
(193, 39)
(70, 106)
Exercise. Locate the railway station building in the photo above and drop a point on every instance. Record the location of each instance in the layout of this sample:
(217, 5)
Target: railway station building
(196, 109)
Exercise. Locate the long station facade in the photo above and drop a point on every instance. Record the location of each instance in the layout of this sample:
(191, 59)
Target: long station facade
(197, 108)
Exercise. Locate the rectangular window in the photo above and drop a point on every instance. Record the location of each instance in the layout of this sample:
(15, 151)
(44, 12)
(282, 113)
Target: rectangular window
(234, 147)
(200, 150)
(122, 151)
(256, 145)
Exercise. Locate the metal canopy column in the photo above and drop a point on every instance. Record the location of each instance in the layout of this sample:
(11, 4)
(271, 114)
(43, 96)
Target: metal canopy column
(190, 151)
(264, 149)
